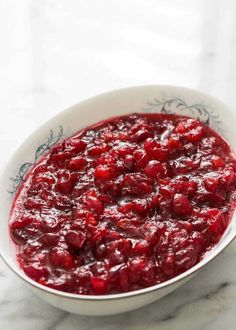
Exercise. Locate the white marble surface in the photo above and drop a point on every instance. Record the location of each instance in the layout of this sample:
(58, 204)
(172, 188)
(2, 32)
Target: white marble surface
(55, 53)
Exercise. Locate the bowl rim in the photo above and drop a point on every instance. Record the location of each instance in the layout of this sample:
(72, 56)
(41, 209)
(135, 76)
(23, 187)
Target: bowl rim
(211, 255)
(118, 296)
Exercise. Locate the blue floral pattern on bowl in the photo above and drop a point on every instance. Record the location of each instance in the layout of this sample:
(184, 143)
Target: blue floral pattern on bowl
(177, 105)
(165, 105)
(53, 139)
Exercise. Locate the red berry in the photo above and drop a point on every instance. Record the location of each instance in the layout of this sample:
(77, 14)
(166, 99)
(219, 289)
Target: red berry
(94, 204)
(60, 258)
(217, 162)
(141, 159)
(154, 169)
(35, 272)
(124, 280)
(181, 205)
(103, 172)
(155, 150)
(211, 183)
(129, 161)
(98, 150)
(77, 163)
(21, 222)
(142, 248)
(66, 183)
(79, 145)
(75, 238)
(49, 239)
(99, 285)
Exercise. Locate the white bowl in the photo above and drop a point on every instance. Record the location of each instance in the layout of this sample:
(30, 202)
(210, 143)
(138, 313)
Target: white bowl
(168, 99)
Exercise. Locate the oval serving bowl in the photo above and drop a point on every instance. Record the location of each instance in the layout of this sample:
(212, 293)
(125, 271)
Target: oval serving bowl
(163, 99)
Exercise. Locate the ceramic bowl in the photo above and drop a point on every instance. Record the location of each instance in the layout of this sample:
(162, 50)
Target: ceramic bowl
(164, 99)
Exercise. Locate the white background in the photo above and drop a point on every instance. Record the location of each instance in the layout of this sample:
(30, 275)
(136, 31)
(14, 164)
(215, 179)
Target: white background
(55, 53)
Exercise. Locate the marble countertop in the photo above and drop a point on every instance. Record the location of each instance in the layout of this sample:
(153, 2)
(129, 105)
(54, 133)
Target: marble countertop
(55, 53)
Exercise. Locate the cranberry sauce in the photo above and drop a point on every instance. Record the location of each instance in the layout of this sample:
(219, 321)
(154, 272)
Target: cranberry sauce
(123, 205)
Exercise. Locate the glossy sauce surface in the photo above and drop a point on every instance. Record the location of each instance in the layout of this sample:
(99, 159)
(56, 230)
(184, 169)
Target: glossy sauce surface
(125, 204)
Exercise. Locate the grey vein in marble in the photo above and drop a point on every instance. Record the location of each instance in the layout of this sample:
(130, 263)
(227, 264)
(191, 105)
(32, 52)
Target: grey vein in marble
(205, 299)
(56, 53)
